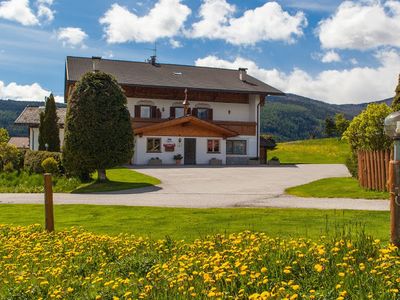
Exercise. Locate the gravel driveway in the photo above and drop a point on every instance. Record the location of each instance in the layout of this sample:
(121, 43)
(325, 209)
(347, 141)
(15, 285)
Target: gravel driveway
(201, 187)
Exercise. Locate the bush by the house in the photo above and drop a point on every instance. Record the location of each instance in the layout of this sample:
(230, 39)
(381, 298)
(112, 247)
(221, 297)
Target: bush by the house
(33, 160)
(365, 131)
(10, 156)
(98, 132)
(352, 164)
(50, 165)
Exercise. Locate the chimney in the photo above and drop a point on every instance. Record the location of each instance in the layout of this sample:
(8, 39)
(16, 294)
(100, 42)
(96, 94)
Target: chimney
(96, 63)
(242, 74)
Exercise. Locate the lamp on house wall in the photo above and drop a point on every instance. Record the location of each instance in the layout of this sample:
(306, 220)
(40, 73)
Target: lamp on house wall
(392, 129)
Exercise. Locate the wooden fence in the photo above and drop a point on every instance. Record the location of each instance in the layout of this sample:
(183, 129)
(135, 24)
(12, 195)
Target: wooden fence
(373, 169)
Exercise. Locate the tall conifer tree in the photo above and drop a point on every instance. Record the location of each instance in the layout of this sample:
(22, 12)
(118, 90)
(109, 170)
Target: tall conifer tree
(49, 133)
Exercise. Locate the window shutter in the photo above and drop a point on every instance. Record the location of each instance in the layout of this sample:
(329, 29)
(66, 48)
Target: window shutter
(158, 116)
(188, 112)
(194, 112)
(137, 111)
(153, 112)
(172, 112)
(210, 114)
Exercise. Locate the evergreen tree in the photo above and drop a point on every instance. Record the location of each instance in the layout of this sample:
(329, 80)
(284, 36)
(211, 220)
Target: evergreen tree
(330, 129)
(98, 132)
(396, 99)
(48, 128)
(341, 124)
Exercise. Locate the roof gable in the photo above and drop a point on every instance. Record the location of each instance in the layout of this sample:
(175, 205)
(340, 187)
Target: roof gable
(31, 116)
(186, 126)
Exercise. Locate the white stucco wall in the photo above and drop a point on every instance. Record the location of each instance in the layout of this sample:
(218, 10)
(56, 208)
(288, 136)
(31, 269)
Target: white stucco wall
(141, 157)
(238, 112)
(34, 138)
(251, 142)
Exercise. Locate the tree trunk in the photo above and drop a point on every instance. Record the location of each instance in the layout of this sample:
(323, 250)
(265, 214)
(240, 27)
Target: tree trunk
(101, 175)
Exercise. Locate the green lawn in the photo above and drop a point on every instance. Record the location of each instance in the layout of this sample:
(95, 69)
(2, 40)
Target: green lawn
(336, 187)
(119, 179)
(318, 151)
(189, 224)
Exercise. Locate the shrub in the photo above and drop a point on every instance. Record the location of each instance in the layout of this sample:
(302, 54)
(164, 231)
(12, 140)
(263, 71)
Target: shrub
(178, 157)
(352, 164)
(9, 154)
(33, 160)
(8, 167)
(50, 165)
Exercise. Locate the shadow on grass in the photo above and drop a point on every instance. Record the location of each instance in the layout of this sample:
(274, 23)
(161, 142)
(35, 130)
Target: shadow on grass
(116, 187)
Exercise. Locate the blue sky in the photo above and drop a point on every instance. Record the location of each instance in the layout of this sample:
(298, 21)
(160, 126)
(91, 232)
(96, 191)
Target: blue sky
(327, 50)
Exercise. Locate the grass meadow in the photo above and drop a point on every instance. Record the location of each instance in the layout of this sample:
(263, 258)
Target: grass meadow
(190, 224)
(318, 151)
(335, 187)
(118, 179)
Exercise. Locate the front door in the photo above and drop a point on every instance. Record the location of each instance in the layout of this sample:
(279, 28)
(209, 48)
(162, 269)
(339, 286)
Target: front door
(190, 151)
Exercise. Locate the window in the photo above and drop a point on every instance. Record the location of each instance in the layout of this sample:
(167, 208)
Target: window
(202, 113)
(213, 146)
(145, 111)
(236, 147)
(179, 112)
(153, 145)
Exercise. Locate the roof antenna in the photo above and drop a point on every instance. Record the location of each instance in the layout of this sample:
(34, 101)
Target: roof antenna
(153, 58)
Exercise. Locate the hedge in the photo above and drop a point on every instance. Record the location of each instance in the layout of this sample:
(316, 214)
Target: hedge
(33, 160)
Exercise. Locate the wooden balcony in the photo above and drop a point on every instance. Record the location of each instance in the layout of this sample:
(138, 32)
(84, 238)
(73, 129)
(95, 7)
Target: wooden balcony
(242, 128)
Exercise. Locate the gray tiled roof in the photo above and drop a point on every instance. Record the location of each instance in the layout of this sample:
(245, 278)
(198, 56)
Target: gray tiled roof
(169, 75)
(31, 116)
(19, 142)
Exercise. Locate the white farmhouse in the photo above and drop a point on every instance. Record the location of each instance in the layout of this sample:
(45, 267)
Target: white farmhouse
(207, 115)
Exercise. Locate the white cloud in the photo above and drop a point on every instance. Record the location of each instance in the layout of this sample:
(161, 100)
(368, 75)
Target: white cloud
(165, 19)
(72, 37)
(354, 61)
(362, 25)
(330, 56)
(355, 85)
(175, 44)
(33, 92)
(44, 10)
(21, 12)
(264, 23)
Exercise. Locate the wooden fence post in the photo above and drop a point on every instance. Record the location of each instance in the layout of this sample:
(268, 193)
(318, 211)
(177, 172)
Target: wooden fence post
(394, 202)
(48, 202)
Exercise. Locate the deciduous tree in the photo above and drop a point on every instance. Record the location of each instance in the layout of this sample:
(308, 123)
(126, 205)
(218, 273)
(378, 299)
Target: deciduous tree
(330, 129)
(341, 124)
(396, 99)
(98, 133)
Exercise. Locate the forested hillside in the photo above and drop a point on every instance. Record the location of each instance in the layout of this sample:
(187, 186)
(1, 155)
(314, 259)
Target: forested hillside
(294, 117)
(287, 118)
(10, 110)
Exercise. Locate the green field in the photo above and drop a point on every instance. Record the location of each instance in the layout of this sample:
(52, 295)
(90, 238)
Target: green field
(189, 224)
(118, 179)
(318, 151)
(336, 187)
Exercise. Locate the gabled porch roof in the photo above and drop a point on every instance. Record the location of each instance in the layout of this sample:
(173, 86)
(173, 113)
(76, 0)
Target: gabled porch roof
(186, 126)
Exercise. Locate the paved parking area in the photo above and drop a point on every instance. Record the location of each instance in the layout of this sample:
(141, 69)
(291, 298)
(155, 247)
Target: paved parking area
(203, 187)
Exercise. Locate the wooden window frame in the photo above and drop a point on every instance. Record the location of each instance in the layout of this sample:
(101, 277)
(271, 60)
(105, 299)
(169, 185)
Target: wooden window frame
(149, 106)
(209, 113)
(213, 146)
(233, 141)
(147, 143)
